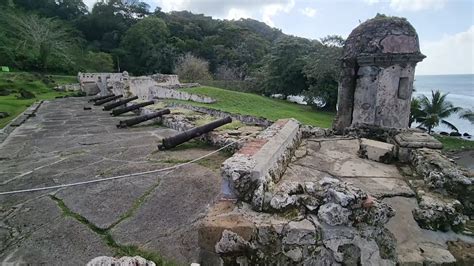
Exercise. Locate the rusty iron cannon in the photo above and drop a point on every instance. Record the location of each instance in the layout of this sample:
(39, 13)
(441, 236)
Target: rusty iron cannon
(106, 100)
(101, 97)
(143, 118)
(111, 106)
(171, 142)
(120, 111)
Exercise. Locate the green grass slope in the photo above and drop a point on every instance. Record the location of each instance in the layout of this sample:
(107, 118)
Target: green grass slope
(455, 143)
(35, 83)
(256, 105)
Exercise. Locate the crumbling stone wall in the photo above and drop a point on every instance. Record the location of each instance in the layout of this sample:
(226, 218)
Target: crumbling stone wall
(145, 87)
(343, 225)
(378, 68)
(451, 191)
(94, 83)
(282, 222)
(254, 170)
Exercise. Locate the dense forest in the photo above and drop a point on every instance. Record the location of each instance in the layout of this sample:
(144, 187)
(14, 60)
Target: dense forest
(63, 36)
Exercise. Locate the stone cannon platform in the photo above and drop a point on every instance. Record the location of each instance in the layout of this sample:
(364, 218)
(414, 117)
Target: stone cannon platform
(155, 214)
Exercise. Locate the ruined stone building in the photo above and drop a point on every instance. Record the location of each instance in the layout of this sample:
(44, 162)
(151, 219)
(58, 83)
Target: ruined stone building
(376, 82)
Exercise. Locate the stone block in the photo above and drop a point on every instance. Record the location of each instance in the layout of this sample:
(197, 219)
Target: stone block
(300, 233)
(381, 187)
(376, 150)
(261, 161)
(210, 258)
(411, 139)
(437, 256)
(210, 231)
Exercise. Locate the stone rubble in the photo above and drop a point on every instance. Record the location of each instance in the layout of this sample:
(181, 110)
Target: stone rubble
(338, 222)
(123, 261)
(444, 177)
(436, 214)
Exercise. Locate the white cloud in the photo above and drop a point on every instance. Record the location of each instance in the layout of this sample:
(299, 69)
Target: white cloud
(410, 5)
(308, 11)
(263, 10)
(236, 13)
(453, 54)
(371, 2)
(416, 5)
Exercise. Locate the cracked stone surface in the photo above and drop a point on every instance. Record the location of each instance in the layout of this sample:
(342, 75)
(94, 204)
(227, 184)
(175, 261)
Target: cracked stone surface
(36, 232)
(320, 158)
(168, 220)
(382, 187)
(338, 157)
(415, 244)
(64, 143)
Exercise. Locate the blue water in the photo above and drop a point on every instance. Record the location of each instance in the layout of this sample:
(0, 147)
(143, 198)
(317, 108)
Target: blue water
(460, 89)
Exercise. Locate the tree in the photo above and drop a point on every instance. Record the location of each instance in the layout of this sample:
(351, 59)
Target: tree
(433, 111)
(63, 9)
(285, 66)
(467, 114)
(225, 72)
(191, 68)
(36, 42)
(146, 47)
(333, 40)
(105, 26)
(322, 70)
(415, 111)
(97, 62)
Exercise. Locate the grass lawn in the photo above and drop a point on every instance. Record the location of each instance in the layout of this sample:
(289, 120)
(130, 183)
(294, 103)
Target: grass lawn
(454, 143)
(14, 81)
(256, 105)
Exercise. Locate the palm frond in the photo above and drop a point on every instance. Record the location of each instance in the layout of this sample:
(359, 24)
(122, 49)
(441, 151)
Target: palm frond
(449, 125)
(467, 114)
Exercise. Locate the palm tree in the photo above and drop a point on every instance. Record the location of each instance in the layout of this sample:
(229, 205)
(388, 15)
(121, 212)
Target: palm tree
(415, 111)
(467, 114)
(433, 111)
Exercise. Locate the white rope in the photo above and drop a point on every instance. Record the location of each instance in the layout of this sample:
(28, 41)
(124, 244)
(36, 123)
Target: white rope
(122, 176)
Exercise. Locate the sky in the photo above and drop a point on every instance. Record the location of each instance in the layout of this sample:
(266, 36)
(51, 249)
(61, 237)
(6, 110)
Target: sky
(445, 27)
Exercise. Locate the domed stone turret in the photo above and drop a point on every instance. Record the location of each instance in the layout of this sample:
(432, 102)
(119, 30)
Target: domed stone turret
(379, 60)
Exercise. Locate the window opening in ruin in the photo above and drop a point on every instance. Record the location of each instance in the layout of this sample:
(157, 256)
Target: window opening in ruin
(403, 88)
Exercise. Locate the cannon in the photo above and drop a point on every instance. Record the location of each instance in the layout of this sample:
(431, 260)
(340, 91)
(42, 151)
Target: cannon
(101, 97)
(120, 111)
(171, 142)
(143, 118)
(106, 100)
(111, 106)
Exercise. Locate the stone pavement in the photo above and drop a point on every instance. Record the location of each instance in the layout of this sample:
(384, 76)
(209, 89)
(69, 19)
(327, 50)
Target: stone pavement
(318, 158)
(152, 214)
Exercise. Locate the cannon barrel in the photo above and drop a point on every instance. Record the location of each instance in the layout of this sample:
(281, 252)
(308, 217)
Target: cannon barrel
(101, 97)
(120, 111)
(106, 100)
(111, 106)
(171, 142)
(143, 118)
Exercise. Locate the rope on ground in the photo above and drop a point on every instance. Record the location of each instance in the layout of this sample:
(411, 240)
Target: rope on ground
(124, 176)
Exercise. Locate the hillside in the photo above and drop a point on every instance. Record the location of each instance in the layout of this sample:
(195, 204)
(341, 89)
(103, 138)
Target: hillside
(40, 85)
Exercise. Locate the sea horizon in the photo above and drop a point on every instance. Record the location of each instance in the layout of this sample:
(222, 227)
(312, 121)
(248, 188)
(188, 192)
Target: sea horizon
(460, 89)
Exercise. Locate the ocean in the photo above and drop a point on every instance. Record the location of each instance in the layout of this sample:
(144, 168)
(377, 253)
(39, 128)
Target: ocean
(460, 89)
